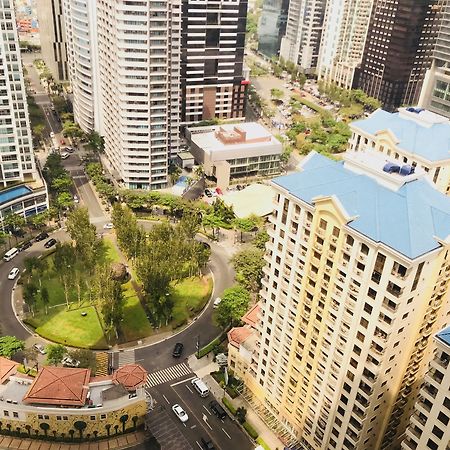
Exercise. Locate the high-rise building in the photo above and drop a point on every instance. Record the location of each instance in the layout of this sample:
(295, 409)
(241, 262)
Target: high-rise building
(212, 57)
(17, 162)
(353, 288)
(301, 43)
(272, 26)
(428, 428)
(344, 35)
(52, 37)
(435, 94)
(80, 18)
(398, 50)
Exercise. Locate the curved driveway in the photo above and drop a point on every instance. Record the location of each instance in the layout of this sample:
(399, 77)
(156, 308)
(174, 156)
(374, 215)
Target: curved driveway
(153, 357)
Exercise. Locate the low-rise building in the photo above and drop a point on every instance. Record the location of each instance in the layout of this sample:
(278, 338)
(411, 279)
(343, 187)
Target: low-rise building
(429, 423)
(411, 136)
(69, 402)
(232, 151)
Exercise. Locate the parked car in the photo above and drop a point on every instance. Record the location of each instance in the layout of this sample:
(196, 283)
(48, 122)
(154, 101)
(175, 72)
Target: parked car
(219, 191)
(67, 361)
(52, 135)
(75, 199)
(69, 149)
(40, 348)
(41, 236)
(180, 412)
(207, 444)
(65, 155)
(217, 302)
(50, 243)
(177, 350)
(25, 245)
(108, 226)
(63, 142)
(208, 193)
(13, 274)
(215, 407)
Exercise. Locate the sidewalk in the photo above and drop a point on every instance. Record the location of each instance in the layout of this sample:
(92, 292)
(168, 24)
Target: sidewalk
(202, 368)
(120, 442)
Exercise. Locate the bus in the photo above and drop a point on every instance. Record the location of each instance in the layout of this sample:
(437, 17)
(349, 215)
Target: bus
(9, 255)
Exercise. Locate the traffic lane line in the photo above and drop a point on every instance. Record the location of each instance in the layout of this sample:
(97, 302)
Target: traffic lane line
(229, 437)
(198, 420)
(207, 410)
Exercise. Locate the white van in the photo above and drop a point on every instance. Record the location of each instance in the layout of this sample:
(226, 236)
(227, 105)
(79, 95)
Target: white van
(200, 387)
(9, 255)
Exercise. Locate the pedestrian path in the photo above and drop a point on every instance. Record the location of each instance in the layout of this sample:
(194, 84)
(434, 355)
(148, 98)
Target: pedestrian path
(169, 374)
(127, 357)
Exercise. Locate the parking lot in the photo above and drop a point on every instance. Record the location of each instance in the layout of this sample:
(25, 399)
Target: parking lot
(202, 423)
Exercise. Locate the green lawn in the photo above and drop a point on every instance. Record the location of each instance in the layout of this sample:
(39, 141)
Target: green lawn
(70, 327)
(111, 252)
(190, 296)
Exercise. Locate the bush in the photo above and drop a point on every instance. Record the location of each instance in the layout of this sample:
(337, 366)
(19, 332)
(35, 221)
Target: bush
(262, 443)
(250, 430)
(210, 347)
(229, 406)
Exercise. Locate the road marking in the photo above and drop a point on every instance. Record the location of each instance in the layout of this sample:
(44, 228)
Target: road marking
(229, 437)
(193, 426)
(201, 448)
(207, 410)
(182, 381)
(184, 425)
(165, 398)
(189, 389)
(205, 419)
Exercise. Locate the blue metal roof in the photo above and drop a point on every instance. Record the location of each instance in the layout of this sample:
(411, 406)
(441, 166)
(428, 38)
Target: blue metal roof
(431, 143)
(406, 220)
(444, 335)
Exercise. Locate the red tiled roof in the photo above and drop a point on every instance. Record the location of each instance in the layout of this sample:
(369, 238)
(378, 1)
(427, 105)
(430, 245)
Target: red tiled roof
(251, 316)
(7, 368)
(130, 376)
(238, 335)
(59, 386)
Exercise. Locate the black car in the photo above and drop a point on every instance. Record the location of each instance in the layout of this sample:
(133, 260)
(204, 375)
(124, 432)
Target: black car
(50, 243)
(208, 193)
(177, 350)
(25, 245)
(41, 236)
(207, 444)
(215, 407)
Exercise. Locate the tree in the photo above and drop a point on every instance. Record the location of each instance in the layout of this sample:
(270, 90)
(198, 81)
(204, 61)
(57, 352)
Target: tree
(96, 142)
(260, 240)
(10, 345)
(14, 223)
(246, 224)
(248, 265)
(234, 305)
(63, 261)
(85, 357)
(29, 295)
(174, 173)
(241, 414)
(61, 184)
(38, 131)
(45, 298)
(64, 201)
(84, 234)
(55, 353)
(30, 354)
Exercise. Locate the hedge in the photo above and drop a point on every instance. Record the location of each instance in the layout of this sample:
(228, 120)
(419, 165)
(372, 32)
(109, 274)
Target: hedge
(250, 430)
(209, 347)
(262, 443)
(312, 106)
(229, 406)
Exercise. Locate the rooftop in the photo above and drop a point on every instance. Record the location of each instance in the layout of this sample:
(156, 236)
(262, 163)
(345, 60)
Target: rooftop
(130, 376)
(251, 316)
(238, 335)
(7, 368)
(422, 132)
(59, 386)
(254, 199)
(408, 219)
(217, 138)
(444, 336)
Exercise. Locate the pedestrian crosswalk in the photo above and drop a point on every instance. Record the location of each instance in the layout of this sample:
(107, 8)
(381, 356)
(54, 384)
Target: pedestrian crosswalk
(126, 357)
(169, 374)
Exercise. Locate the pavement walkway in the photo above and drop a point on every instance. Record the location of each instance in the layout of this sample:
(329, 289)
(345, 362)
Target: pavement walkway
(130, 440)
(202, 368)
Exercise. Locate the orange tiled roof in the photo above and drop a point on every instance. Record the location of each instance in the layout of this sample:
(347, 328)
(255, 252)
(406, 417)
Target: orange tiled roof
(7, 368)
(130, 376)
(251, 316)
(238, 335)
(59, 386)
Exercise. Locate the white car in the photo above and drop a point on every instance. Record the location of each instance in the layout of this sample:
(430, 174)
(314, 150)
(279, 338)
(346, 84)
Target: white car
(52, 135)
(75, 199)
(108, 226)
(13, 274)
(64, 155)
(67, 361)
(180, 412)
(217, 302)
(40, 348)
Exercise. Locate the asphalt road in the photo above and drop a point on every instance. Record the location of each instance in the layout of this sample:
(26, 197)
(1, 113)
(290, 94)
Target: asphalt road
(225, 434)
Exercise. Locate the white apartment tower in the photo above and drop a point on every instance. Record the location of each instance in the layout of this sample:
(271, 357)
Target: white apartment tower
(81, 41)
(301, 43)
(17, 162)
(428, 428)
(356, 274)
(344, 35)
(124, 59)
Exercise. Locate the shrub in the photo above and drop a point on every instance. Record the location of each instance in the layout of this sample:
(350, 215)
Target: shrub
(262, 443)
(250, 430)
(229, 406)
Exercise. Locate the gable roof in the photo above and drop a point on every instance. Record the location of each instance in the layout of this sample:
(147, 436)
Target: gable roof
(59, 386)
(431, 143)
(407, 220)
(7, 368)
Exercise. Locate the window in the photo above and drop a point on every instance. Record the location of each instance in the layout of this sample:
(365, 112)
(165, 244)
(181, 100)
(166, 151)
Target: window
(92, 417)
(432, 445)
(15, 415)
(437, 432)
(443, 418)
(6, 413)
